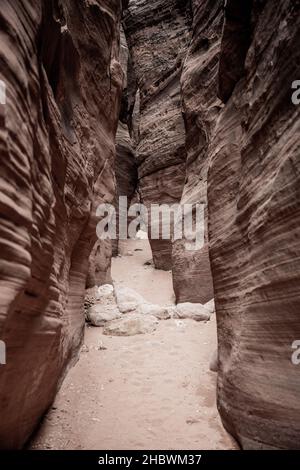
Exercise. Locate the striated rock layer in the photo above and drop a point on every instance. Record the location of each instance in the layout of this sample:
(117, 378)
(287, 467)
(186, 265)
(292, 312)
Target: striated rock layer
(158, 34)
(126, 165)
(254, 219)
(201, 107)
(60, 66)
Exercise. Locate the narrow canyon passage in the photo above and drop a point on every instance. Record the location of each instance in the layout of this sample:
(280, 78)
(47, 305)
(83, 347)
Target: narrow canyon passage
(175, 121)
(148, 391)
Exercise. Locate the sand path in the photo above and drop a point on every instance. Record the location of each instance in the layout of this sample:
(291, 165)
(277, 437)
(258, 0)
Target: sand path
(144, 392)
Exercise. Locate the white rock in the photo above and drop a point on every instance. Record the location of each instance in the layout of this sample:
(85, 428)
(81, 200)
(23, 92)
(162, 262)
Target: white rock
(100, 314)
(128, 299)
(161, 313)
(130, 325)
(104, 291)
(195, 312)
(210, 306)
(172, 311)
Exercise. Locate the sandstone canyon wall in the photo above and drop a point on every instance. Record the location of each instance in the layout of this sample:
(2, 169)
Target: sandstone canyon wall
(242, 135)
(59, 61)
(158, 34)
(200, 109)
(125, 172)
(254, 220)
(125, 165)
(207, 104)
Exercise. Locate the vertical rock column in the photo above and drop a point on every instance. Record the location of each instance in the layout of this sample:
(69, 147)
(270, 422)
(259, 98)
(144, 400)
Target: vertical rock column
(57, 130)
(125, 170)
(254, 220)
(199, 81)
(158, 35)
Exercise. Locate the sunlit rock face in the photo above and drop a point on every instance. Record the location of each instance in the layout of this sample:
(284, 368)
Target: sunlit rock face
(254, 220)
(199, 82)
(158, 34)
(57, 130)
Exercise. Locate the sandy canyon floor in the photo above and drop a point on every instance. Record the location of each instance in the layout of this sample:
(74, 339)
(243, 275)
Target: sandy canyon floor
(141, 392)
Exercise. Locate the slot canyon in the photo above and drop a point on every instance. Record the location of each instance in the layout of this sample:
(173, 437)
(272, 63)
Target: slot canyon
(145, 343)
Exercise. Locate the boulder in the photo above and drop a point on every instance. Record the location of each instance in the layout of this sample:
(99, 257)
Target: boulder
(131, 325)
(172, 311)
(128, 300)
(210, 306)
(191, 311)
(161, 313)
(99, 315)
(104, 292)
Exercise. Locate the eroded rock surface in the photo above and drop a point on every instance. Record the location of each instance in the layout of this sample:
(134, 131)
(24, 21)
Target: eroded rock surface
(128, 300)
(125, 165)
(100, 314)
(254, 219)
(61, 68)
(57, 130)
(99, 272)
(158, 311)
(131, 325)
(101, 306)
(210, 306)
(158, 35)
(201, 106)
(191, 311)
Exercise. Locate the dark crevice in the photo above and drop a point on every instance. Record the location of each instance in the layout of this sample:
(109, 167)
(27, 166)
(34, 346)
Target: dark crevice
(236, 40)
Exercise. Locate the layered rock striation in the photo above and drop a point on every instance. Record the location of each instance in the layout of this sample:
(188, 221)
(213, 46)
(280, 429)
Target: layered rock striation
(254, 219)
(158, 35)
(126, 164)
(60, 65)
(201, 106)
(204, 116)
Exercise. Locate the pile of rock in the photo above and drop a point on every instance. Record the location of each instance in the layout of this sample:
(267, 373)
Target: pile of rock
(124, 312)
